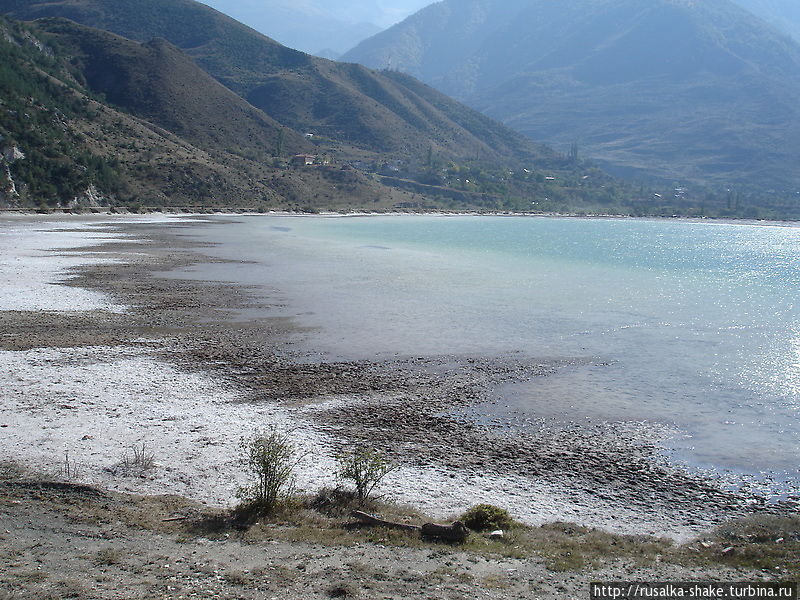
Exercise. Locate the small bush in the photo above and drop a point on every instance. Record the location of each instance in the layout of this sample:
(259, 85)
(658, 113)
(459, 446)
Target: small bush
(366, 468)
(69, 468)
(485, 517)
(271, 458)
(138, 460)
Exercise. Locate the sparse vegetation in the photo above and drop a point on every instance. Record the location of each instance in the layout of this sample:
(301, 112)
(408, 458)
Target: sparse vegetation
(137, 460)
(69, 468)
(354, 562)
(768, 543)
(108, 556)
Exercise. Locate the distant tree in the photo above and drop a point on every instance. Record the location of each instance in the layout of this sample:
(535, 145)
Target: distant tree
(279, 143)
(573, 152)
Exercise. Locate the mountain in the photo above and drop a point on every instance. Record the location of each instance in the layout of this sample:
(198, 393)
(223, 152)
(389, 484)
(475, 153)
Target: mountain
(201, 111)
(782, 14)
(347, 104)
(159, 83)
(678, 90)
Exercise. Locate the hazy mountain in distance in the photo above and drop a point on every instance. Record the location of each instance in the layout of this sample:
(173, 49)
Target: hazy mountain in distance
(675, 89)
(324, 28)
(783, 14)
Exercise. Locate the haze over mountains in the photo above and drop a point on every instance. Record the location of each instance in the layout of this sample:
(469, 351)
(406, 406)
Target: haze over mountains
(670, 89)
(349, 103)
(171, 103)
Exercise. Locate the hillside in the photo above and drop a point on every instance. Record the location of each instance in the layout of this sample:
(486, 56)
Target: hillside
(158, 82)
(109, 122)
(152, 127)
(678, 91)
(346, 103)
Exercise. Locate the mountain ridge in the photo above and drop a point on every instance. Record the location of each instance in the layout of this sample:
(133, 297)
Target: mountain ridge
(611, 75)
(73, 149)
(382, 140)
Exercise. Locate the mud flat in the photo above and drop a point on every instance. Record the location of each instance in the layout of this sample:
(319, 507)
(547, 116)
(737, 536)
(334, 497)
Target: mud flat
(101, 354)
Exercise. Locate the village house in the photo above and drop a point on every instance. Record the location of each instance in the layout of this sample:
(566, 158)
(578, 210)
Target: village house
(303, 160)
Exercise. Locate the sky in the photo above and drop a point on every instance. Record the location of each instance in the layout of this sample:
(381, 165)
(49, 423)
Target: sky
(382, 13)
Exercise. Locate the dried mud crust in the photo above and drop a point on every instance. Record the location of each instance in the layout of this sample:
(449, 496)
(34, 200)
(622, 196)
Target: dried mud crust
(404, 406)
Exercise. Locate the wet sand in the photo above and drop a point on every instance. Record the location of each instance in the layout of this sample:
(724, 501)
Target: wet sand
(163, 362)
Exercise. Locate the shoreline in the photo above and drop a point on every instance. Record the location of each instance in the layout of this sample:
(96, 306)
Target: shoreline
(12, 214)
(197, 377)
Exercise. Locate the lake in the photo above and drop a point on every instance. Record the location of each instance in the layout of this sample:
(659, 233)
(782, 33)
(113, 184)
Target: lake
(697, 325)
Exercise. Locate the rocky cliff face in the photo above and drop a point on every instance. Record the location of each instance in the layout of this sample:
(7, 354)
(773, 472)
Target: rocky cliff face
(9, 195)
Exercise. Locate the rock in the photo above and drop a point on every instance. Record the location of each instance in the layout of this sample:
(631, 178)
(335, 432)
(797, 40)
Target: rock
(496, 534)
(12, 154)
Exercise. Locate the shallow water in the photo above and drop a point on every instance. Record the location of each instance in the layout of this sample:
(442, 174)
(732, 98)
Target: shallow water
(699, 322)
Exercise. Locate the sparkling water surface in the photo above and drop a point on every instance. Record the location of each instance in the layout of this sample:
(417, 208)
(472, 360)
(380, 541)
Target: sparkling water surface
(699, 322)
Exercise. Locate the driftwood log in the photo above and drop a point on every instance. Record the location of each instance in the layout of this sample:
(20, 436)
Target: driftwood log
(378, 522)
(457, 532)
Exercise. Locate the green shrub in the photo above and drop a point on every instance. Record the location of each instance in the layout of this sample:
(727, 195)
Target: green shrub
(366, 468)
(270, 458)
(484, 517)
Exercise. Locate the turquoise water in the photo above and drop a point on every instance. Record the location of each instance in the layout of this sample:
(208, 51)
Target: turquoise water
(699, 322)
